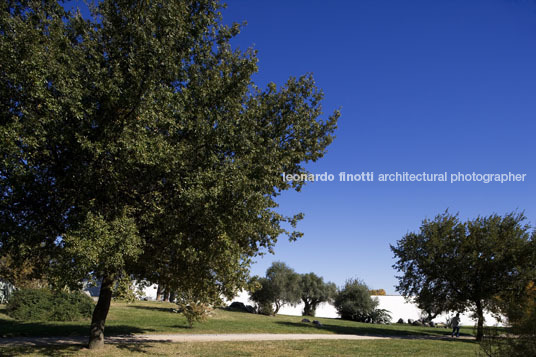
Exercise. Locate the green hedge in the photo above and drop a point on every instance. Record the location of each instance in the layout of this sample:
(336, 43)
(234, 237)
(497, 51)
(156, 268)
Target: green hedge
(46, 305)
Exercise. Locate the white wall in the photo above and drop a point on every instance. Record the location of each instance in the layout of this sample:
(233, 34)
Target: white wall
(397, 305)
(150, 292)
(400, 308)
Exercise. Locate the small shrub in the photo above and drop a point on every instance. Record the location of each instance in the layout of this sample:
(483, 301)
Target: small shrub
(194, 311)
(265, 308)
(46, 305)
(380, 316)
(192, 306)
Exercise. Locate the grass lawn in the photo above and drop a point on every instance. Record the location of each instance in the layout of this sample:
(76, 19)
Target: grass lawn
(156, 317)
(268, 348)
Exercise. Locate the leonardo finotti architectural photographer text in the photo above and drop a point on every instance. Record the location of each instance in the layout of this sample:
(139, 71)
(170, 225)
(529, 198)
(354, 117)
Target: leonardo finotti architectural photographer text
(369, 176)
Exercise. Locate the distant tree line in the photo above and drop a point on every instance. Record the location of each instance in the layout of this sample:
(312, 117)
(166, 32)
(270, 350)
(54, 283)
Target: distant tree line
(283, 286)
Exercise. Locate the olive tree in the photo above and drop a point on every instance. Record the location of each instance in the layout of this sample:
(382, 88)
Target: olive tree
(281, 286)
(314, 291)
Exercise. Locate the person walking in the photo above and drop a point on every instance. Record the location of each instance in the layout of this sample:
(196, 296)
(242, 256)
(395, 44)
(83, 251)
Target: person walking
(456, 325)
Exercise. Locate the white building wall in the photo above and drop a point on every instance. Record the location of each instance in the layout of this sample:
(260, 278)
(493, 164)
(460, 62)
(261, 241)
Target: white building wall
(397, 305)
(149, 292)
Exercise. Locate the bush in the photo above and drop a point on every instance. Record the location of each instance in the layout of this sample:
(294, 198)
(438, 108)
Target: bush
(193, 307)
(353, 301)
(380, 316)
(265, 308)
(46, 305)
(194, 311)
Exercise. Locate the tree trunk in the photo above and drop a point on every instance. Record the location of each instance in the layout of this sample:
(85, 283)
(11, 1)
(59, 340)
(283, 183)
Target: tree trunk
(306, 308)
(430, 315)
(159, 292)
(309, 308)
(314, 304)
(96, 333)
(171, 296)
(313, 311)
(480, 323)
(277, 307)
(166, 294)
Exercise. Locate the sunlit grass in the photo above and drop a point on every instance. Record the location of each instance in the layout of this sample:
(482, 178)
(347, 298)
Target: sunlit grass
(157, 317)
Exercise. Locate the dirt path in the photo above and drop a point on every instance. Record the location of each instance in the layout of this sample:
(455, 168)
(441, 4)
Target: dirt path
(43, 341)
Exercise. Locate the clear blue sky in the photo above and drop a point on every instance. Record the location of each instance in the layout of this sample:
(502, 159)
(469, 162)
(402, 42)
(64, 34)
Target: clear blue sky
(424, 86)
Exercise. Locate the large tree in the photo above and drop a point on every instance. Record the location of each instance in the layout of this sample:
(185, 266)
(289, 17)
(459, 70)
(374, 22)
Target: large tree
(314, 291)
(464, 265)
(134, 142)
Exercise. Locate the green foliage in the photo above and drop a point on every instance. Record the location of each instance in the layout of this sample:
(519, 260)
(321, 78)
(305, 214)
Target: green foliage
(124, 290)
(194, 312)
(103, 247)
(429, 304)
(281, 286)
(524, 328)
(194, 309)
(135, 142)
(47, 305)
(265, 308)
(20, 274)
(353, 301)
(453, 265)
(263, 293)
(139, 138)
(313, 291)
(379, 316)
(519, 307)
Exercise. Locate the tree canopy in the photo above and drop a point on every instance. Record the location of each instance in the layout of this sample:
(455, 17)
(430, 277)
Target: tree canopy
(464, 265)
(314, 291)
(377, 292)
(135, 142)
(281, 286)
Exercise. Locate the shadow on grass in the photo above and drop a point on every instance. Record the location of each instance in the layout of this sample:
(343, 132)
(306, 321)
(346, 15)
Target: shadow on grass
(41, 350)
(184, 327)
(14, 328)
(152, 308)
(374, 330)
(135, 347)
(69, 350)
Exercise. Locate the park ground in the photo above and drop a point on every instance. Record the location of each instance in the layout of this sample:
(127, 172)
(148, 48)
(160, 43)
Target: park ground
(155, 318)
